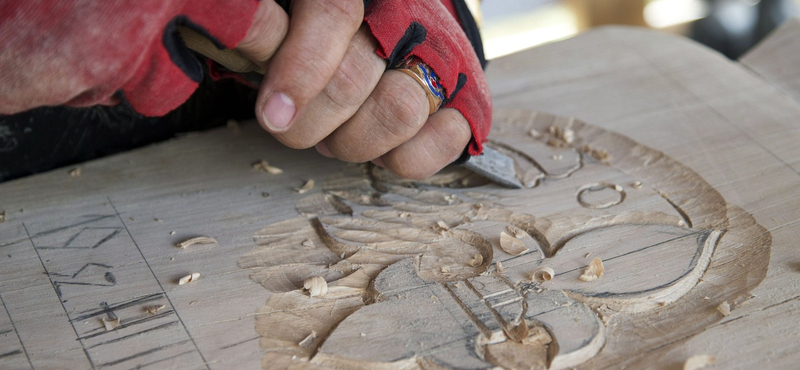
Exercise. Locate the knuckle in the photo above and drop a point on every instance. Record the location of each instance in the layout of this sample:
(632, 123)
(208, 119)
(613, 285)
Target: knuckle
(346, 88)
(350, 11)
(401, 108)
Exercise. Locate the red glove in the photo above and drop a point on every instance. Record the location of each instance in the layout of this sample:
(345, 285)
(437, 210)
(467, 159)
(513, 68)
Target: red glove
(429, 30)
(83, 52)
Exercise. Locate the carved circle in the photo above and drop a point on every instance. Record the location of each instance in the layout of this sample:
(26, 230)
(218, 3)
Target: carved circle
(600, 186)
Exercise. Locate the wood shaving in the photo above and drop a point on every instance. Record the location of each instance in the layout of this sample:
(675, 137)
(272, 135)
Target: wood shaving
(594, 271)
(543, 274)
(476, 260)
(3, 216)
(443, 225)
(316, 286)
(233, 125)
(566, 135)
(308, 243)
(305, 343)
(512, 245)
(189, 278)
(75, 172)
(153, 309)
(518, 233)
(724, 308)
(264, 166)
(198, 240)
(445, 269)
(534, 134)
(499, 267)
(555, 143)
(306, 187)
(637, 185)
(587, 255)
(698, 362)
(599, 155)
(111, 324)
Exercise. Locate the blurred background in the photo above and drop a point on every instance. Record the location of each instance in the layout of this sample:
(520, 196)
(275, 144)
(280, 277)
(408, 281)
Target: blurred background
(47, 138)
(728, 26)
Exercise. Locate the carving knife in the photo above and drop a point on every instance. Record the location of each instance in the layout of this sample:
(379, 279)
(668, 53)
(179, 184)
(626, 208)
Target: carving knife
(495, 166)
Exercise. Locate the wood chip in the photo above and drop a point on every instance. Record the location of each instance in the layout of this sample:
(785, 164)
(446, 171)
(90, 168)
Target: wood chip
(443, 225)
(308, 243)
(306, 187)
(316, 286)
(75, 172)
(594, 271)
(264, 166)
(153, 309)
(697, 362)
(476, 260)
(587, 255)
(534, 134)
(233, 125)
(637, 185)
(499, 267)
(445, 269)
(724, 308)
(512, 245)
(189, 278)
(110, 324)
(305, 343)
(197, 240)
(543, 274)
(3, 216)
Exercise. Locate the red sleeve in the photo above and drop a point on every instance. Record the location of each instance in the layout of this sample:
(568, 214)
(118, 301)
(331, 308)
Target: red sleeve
(83, 52)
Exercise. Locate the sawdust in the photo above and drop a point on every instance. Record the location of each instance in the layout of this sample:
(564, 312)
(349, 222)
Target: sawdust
(111, 324)
(697, 362)
(305, 343)
(197, 240)
(316, 286)
(264, 166)
(594, 271)
(153, 309)
(189, 278)
(476, 260)
(512, 245)
(543, 274)
(306, 187)
(724, 308)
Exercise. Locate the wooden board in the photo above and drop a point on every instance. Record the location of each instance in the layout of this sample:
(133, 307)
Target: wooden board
(675, 167)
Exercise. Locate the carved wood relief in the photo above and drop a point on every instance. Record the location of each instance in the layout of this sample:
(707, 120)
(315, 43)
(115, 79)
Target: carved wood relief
(419, 278)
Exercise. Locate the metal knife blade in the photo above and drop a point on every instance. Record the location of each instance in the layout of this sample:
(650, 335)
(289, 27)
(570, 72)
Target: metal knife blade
(495, 166)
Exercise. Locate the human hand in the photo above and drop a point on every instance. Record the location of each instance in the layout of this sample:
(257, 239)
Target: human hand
(326, 87)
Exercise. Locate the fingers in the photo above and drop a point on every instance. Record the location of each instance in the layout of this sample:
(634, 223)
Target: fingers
(393, 113)
(351, 84)
(319, 35)
(438, 143)
(269, 28)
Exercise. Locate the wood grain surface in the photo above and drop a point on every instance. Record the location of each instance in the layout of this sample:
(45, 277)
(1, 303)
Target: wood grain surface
(679, 169)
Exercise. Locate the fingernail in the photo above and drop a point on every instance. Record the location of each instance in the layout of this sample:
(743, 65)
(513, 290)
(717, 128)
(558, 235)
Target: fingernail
(378, 162)
(278, 111)
(323, 149)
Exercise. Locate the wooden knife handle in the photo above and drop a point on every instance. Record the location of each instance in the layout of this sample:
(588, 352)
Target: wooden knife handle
(231, 59)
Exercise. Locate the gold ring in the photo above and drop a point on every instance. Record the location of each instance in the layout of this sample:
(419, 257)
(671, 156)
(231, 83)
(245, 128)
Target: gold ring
(425, 77)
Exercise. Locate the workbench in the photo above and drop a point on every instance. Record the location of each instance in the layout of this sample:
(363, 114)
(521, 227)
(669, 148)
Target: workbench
(675, 167)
